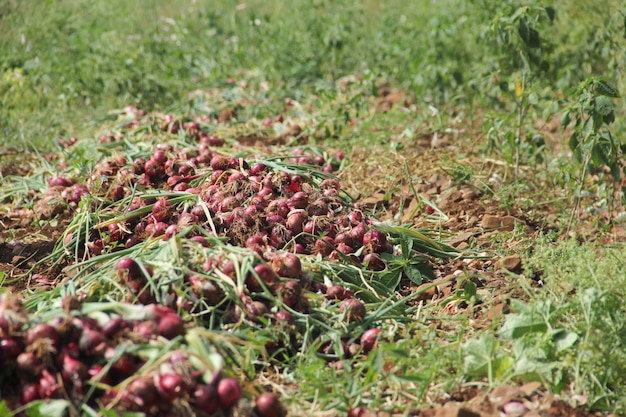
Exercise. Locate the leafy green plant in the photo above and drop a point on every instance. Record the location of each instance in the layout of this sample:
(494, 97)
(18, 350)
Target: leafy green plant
(591, 109)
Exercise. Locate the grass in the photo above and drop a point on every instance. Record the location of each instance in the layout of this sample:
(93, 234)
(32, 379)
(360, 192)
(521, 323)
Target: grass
(65, 67)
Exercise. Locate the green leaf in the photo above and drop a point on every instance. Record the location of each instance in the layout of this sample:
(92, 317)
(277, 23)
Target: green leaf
(413, 274)
(4, 410)
(528, 34)
(603, 106)
(565, 119)
(606, 89)
(564, 339)
(478, 354)
(518, 325)
(49, 408)
(391, 279)
(551, 13)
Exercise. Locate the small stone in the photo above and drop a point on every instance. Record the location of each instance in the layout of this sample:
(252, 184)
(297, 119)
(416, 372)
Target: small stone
(506, 223)
(460, 238)
(470, 195)
(512, 263)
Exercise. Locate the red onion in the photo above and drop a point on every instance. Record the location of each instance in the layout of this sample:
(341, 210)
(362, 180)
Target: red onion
(258, 168)
(156, 229)
(171, 325)
(29, 392)
(170, 386)
(375, 239)
(228, 392)
(286, 265)
(279, 207)
(91, 342)
(154, 169)
(128, 268)
(205, 398)
(299, 200)
(290, 292)
(353, 309)
(162, 210)
(374, 262)
(48, 385)
(255, 309)
(295, 221)
(73, 369)
(335, 292)
(284, 317)
(42, 331)
(369, 338)
(142, 392)
(28, 362)
(268, 405)
(146, 329)
(10, 348)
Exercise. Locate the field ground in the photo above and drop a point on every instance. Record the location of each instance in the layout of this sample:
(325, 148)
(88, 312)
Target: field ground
(490, 158)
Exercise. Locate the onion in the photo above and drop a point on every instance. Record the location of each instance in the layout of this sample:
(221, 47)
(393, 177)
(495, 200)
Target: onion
(28, 362)
(295, 221)
(91, 342)
(299, 200)
(156, 229)
(143, 392)
(170, 385)
(73, 369)
(10, 348)
(335, 292)
(279, 207)
(284, 317)
(353, 309)
(146, 329)
(255, 309)
(268, 405)
(60, 182)
(263, 273)
(291, 293)
(228, 392)
(369, 338)
(205, 398)
(324, 246)
(42, 331)
(375, 239)
(258, 168)
(286, 265)
(113, 326)
(357, 232)
(171, 325)
(155, 170)
(374, 262)
(128, 268)
(48, 385)
(318, 208)
(162, 210)
(29, 392)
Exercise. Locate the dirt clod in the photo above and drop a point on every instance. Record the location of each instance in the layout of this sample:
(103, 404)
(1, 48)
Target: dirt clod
(512, 263)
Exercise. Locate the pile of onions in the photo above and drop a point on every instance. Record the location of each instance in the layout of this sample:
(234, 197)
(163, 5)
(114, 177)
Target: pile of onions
(81, 359)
